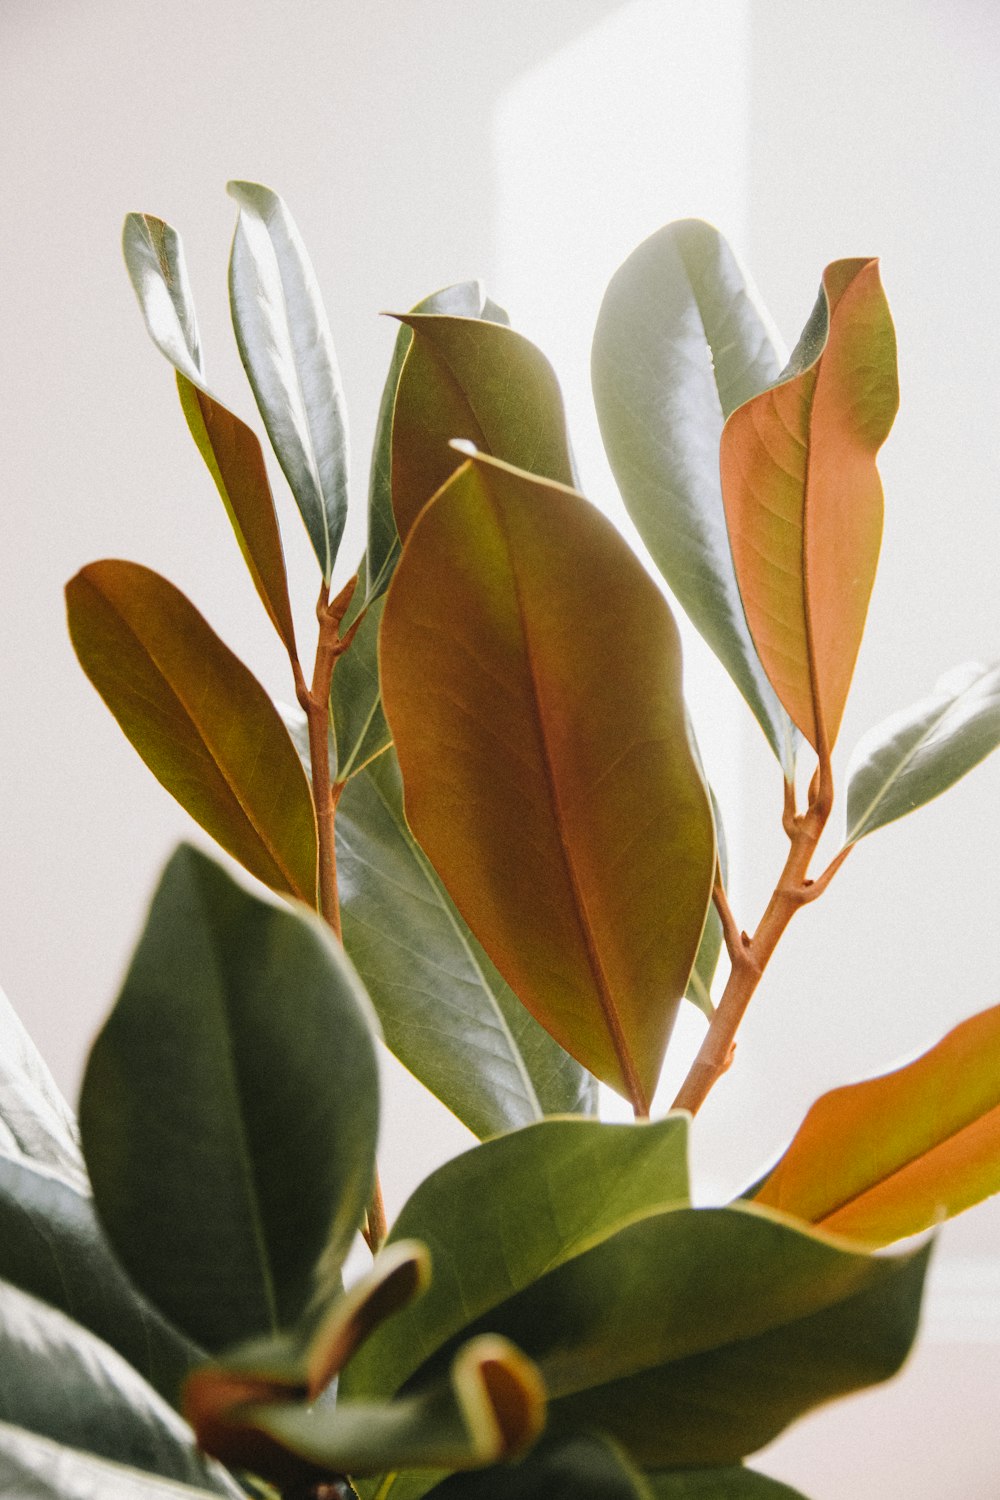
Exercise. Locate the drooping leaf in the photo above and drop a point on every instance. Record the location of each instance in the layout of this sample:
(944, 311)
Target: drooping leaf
(199, 719)
(473, 379)
(35, 1121)
(692, 1337)
(358, 723)
(803, 497)
(229, 1108)
(61, 1382)
(699, 990)
(531, 678)
(503, 1214)
(287, 351)
(445, 1011)
(155, 261)
(681, 341)
(52, 1246)
(36, 1468)
(922, 750)
(880, 1160)
(463, 300)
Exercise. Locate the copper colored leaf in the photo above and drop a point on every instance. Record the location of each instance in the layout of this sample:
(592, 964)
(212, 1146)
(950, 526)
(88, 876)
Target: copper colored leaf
(200, 720)
(532, 681)
(803, 497)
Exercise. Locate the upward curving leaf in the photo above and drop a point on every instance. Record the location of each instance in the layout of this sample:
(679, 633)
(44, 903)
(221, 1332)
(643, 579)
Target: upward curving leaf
(200, 720)
(803, 497)
(287, 351)
(681, 341)
(531, 678)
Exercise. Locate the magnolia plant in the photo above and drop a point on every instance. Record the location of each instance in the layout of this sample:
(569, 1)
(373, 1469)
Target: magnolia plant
(490, 831)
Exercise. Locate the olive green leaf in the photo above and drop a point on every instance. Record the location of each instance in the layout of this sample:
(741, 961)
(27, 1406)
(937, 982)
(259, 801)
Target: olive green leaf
(200, 720)
(531, 678)
(229, 1108)
(35, 1468)
(699, 990)
(357, 722)
(922, 750)
(287, 351)
(681, 341)
(499, 1216)
(36, 1123)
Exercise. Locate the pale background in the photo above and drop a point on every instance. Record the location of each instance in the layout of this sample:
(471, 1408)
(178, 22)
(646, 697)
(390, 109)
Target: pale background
(533, 143)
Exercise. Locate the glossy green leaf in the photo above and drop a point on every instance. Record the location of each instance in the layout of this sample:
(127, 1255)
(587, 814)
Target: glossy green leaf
(155, 262)
(921, 751)
(35, 1468)
(880, 1160)
(463, 300)
(36, 1123)
(359, 728)
(699, 990)
(199, 719)
(61, 1382)
(287, 351)
(445, 1011)
(694, 1336)
(52, 1246)
(531, 677)
(681, 341)
(472, 379)
(229, 1108)
(803, 497)
(503, 1214)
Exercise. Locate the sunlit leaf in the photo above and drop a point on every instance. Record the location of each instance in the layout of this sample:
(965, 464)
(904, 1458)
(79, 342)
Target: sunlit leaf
(35, 1121)
(286, 348)
(921, 751)
(886, 1158)
(531, 677)
(199, 719)
(803, 497)
(229, 1108)
(681, 341)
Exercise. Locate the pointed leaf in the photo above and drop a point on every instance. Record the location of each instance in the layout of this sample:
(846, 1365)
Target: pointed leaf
(681, 341)
(501, 1215)
(61, 1382)
(694, 1336)
(531, 676)
(155, 261)
(287, 351)
(918, 753)
(446, 1013)
(477, 380)
(35, 1120)
(803, 497)
(35, 1468)
(229, 1108)
(886, 1158)
(199, 719)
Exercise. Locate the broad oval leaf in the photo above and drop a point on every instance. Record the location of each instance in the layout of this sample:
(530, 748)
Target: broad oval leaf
(531, 677)
(503, 1214)
(480, 381)
(36, 1123)
(803, 497)
(200, 720)
(681, 341)
(36, 1468)
(880, 1160)
(694, 1336)
(155, 261)
(287, 351)
(229, 1108)
(921, 751)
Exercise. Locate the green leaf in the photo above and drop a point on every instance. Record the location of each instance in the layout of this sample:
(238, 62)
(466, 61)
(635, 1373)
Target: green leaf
(200, 720)
(52, 1246)
(803, 497)
(36, 1123)
(699, 990)
(694, 1336)
(61, 1382)
(359, 728)
(531, 677)
(680, 342)
(463, 300)
(285, 344)
(35, 1468)
(155, 261)
(229, 1108)
(880, 1160)
(480, 381)
(921, 751)
(731, 1483)
(503, 1214)
(446, 1013)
